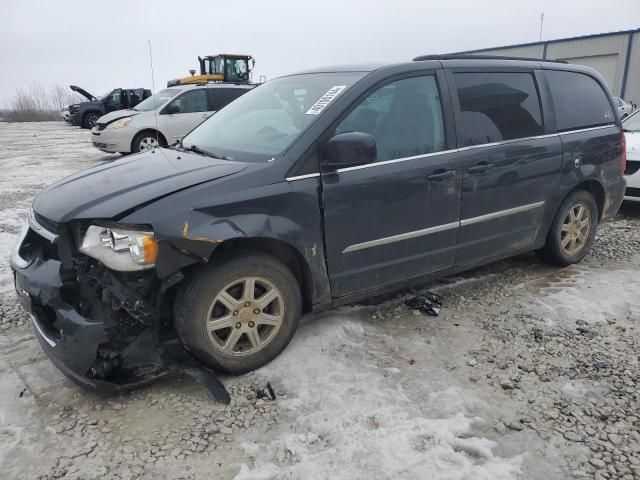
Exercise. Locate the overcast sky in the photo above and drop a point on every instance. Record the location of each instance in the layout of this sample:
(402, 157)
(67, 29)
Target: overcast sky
(102, 45)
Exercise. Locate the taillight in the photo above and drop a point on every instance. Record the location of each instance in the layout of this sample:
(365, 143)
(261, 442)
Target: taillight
(623, 153)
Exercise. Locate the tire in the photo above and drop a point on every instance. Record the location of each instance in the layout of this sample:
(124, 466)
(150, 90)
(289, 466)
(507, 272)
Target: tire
(232, 347)
(89, 120)
(560, 248)
(147, 141)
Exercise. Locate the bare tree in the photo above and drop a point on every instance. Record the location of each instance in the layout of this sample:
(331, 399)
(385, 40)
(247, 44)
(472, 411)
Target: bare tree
(61, 97)
(37, 104)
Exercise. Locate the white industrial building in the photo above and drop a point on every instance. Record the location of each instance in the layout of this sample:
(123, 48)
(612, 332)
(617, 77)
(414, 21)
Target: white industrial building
(615, 55)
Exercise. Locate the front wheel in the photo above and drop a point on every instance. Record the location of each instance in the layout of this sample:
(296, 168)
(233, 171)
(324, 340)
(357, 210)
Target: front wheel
(147, 141)
(573, 230)
(239, 313)
(90, 119)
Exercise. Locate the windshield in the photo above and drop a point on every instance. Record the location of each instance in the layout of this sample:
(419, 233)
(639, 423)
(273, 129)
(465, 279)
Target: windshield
(157, 100)
(632, 123)
(267, 120)
(104, 96)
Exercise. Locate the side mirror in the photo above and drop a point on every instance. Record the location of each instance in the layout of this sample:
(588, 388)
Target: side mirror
(172, 109)
(351, 149)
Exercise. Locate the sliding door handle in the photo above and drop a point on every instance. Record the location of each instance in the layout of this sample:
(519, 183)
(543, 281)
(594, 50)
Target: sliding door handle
(480, 168)
(441, 175)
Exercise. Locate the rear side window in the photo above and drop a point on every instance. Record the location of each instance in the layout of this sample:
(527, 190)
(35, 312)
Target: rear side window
(498, 106)
(191, 101)
(579, 100)
(220, 97)
(405, 118)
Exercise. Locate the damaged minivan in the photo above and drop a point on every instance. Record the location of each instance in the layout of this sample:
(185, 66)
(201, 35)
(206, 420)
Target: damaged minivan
(310, 191)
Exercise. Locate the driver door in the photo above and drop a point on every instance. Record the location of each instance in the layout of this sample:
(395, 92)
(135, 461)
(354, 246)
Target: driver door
(396, 218)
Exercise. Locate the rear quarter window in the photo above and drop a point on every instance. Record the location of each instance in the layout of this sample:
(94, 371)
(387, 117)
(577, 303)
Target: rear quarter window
(579, 100)
(221, 97)
(498, 106)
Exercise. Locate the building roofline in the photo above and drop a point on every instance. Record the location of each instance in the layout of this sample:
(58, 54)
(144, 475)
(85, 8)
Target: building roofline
(543, 42)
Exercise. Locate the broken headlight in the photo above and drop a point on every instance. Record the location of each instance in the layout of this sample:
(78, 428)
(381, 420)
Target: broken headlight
(121, 122)
(119, 249)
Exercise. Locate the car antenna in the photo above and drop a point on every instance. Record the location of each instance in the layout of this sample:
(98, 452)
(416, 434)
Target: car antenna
(153, 93)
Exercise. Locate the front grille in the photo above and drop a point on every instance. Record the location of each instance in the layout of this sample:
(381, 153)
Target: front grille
(632, 192)
(73, 109)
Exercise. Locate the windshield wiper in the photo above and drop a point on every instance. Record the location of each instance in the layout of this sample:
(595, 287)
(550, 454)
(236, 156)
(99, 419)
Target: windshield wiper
(196, 149)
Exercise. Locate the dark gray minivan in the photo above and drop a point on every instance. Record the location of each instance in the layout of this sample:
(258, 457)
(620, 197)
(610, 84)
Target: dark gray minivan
(313, 190)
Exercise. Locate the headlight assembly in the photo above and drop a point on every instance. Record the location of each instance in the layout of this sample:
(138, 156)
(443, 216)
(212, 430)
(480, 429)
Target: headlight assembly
(121, 122)
(120, 249)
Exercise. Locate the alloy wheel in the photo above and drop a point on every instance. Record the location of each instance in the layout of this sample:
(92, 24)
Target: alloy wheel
(575, 229)
(148, 143)
(245, 316)
(91, 120)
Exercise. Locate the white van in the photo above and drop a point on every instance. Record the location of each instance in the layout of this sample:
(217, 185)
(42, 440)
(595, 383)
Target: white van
(163, 118)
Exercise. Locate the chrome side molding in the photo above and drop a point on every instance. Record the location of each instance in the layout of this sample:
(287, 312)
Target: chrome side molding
(441, 228)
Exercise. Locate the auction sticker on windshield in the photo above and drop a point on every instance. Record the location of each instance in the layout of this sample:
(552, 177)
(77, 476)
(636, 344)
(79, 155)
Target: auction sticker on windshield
(325, 100)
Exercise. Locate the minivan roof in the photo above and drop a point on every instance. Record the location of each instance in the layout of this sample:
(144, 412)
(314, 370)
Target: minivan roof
(244, 86)
(451, 60)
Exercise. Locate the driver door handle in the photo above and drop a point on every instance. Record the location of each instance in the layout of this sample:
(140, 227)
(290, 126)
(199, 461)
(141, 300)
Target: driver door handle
(480, 168)
(441, 175)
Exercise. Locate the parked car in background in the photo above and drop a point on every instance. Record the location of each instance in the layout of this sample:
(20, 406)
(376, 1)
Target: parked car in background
(65, 113)
(624, 109)
(311, 191)
(86, 114)
(631, 127)
(163, 118)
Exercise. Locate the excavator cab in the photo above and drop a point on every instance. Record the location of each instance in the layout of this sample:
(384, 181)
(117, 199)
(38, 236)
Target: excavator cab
(225, 67)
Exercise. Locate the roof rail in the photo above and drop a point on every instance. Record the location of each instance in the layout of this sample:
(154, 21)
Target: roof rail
(454, 56)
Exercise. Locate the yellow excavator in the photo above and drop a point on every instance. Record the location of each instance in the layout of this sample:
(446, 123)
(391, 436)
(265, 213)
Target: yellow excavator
(224, 67)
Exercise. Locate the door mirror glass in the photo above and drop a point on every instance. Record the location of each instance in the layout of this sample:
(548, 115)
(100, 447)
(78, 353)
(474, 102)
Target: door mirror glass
(351, 149)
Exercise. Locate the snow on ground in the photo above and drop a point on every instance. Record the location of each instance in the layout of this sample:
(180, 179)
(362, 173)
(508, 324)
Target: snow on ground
(500, 386)
(354, 418)
(593, 296)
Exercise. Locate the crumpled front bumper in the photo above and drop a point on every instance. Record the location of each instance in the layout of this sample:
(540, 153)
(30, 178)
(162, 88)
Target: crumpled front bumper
(74, 343)
(70, 340)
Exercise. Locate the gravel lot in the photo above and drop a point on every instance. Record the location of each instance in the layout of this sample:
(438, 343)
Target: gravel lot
(529, 372)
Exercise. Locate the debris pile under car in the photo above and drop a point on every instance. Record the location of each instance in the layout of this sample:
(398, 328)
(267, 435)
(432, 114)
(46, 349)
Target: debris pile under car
(429, 303)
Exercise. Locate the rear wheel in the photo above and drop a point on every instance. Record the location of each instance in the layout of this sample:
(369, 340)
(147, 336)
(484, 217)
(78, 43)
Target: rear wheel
(90, 119)
(147, 141)
(573, 230)
(239, 313)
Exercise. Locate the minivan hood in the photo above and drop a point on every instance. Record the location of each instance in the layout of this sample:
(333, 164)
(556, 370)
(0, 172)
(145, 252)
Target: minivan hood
(83, 92)
(108, 190)
(111, 116)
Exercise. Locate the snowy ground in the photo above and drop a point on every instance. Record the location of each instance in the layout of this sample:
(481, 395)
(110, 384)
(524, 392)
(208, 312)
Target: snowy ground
(530, 372)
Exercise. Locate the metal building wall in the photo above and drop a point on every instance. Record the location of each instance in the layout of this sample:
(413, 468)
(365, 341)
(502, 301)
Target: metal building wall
(632, 90)
(607, 53)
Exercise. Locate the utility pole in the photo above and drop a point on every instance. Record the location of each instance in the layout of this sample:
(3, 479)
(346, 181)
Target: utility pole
(541, 22)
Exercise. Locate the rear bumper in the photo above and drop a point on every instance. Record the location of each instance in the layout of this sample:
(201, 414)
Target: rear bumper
(615, 197)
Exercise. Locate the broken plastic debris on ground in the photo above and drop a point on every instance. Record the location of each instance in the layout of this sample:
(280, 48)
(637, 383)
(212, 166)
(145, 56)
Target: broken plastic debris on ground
(428, 303)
